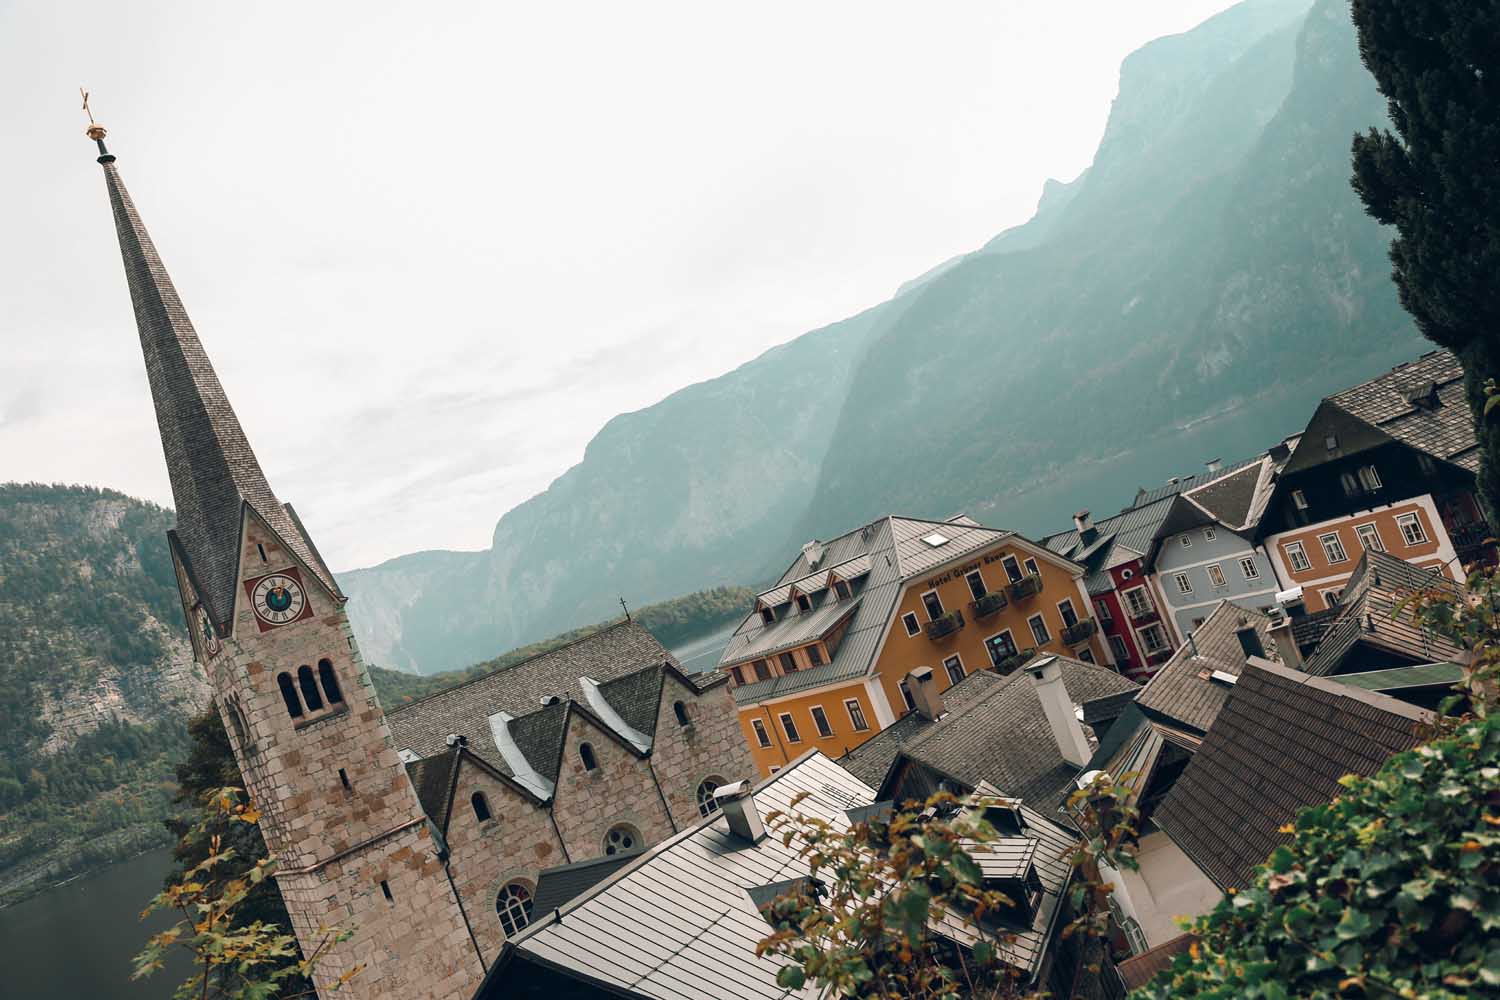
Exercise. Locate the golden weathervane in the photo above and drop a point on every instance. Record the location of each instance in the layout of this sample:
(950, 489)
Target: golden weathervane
(95, 131)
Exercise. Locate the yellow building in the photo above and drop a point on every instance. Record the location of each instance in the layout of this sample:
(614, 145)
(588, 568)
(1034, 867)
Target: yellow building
(821, 661)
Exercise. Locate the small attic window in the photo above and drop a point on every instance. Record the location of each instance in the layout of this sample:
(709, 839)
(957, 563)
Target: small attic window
(767, 615)
(841, 589)
(935, 539)
(1331, 442)
(803, 604)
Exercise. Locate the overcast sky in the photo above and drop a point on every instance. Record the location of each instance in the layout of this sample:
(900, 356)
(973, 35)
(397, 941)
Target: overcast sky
(432, 248)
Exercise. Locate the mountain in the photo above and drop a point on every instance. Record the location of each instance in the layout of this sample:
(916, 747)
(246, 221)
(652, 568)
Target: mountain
(1193, 293)
(96, 680)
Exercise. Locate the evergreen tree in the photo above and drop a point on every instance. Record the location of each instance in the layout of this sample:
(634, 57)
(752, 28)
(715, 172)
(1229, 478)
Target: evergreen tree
(1437, 180)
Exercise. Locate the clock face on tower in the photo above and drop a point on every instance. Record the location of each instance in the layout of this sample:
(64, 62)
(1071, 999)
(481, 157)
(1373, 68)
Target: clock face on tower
(278, 598)
(207, 633)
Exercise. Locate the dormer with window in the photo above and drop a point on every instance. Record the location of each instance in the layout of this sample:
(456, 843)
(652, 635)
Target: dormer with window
(766, 612)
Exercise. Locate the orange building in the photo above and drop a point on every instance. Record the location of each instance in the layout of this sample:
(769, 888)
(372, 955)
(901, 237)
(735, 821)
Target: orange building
(821, 661)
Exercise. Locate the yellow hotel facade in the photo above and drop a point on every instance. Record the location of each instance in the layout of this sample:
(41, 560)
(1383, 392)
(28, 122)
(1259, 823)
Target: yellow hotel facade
(821, 660)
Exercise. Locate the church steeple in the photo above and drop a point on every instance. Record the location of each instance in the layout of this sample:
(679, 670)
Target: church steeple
(212, 467)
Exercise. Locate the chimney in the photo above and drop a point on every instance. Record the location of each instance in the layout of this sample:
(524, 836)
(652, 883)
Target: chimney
(1046, 679)
(925, 693)
(1280, 452)
(1249, 640)
(1214, 465)
(1292, 603)
(1082, 521)
(1285, 641)
(738, 806)
(813, 552)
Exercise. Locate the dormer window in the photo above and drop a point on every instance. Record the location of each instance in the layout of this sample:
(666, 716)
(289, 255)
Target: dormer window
(841, 589)
(767, 615)
(1299, 499)
(803, 603)
(1369, 478)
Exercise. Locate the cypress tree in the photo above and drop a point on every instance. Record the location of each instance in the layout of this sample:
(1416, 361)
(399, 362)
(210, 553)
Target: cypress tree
(1437, 180)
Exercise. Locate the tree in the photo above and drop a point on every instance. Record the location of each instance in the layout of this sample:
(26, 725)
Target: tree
(232, 959)
(1437, 62)
(1393, 888)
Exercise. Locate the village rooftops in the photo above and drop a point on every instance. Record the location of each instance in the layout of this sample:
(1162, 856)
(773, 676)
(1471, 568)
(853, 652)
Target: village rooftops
(681, 921)
(1195, 683)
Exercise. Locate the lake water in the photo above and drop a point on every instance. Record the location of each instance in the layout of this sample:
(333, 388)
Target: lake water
(702, 653)
(78, 940)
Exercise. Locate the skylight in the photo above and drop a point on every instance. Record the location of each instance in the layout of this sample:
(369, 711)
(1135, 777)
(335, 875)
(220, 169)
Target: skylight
(935, 539)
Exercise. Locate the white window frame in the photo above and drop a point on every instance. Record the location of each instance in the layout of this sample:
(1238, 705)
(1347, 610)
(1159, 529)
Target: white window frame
(907, 699)
(1351, 484)
(1364, 532)
(1370, 482)
(1146, 649)
(761, 736)
(1119, 648)
(1294, 552)
(936, 597)
(1006, 563)
(856, 713)
(1105, 615)
(1068, 603)
(1248, 569)
(1045, 637)
(948, 663)
(1185, 540)
(789, 727)
(1338, 543)
(817, 713)
(1216, 575)
(1412, 521)
(1032, 568)
(1130, 610)
(997, 635)
(968, 578)
(1333, 598)
(1184, 584)
(910, 619)
(1209, 534)
(1299, 499)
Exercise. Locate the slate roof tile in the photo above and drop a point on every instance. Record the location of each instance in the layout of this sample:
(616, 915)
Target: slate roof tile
(1445, 431)
(1178, 693)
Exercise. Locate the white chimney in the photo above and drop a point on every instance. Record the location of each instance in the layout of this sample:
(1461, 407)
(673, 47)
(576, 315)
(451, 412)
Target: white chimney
(1082, 521)
(1286, 643)
(1046, 679)
(925, 693)
(738, 806)
(813, 552)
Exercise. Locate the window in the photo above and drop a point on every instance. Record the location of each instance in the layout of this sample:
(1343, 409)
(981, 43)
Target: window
(1118, 647)
(1031, 567)
(1198, 623)
(906, 697)
(586, 754)
(1105, 615)
(761, 736)
(936, 539)
(289, 694)
(909, 621)
(768, 616)
(803, 604)
(762, 670)
(814, 656)
(789, 727)
(1248, 569)
(737, 674)
(1369, 537)
(1086, 655)
(1184, 585)
(237, 718)
(344, 780)
(1333, 549)
(788, 663)
(1039, 630)
(1012, 568)
(1369, 478)
(514, 906)
(933, 604)
(1426, 464)
(976, 585)
(1216, 574)
(1138, 602)
(481, 807)
(1299, 499)
(680, 710)
(1153, 638)
(385, 890)
(1350, 484)
(1069, 616)
(707, 804)
(856, 715)
(841, 589)
(330, 682)
(1333, 598)
(955, 668)
(1411, 529)
(310, 696)
(1296, 557)
(820, 722)
(1185, 541)
(262, 550)
(1209, 534)
(621, 837)
(1001, 647)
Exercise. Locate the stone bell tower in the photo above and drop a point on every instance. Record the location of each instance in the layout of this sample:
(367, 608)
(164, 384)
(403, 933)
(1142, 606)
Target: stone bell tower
(352, 845)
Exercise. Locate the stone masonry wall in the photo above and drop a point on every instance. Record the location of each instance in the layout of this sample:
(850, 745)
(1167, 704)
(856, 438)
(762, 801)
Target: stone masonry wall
(712, 746)
(620, 790)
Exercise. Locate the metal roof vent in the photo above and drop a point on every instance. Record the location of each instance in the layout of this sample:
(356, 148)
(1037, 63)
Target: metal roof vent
(1224, 677)
(813, 552)
(455, 740)
(738, 806)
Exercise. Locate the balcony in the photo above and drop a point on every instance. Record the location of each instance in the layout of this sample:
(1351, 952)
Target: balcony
(1027, 586)
(1011, 664)
(982, 607)
(941, 628)
(1473, 541)
(1074, 634)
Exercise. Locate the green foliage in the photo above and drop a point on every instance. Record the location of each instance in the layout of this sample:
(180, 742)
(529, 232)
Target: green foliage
(1433, 178)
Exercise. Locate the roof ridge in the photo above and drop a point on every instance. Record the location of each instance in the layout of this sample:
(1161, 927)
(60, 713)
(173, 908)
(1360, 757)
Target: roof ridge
(1397, 368)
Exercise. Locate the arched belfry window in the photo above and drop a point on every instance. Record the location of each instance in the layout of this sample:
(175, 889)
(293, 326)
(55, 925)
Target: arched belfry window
(289, 694)
(707, 804)
(586, 754)
(680, 710)
(481, 807)
(514, 906)
(330, 682)
(309, 686)
(237, 719)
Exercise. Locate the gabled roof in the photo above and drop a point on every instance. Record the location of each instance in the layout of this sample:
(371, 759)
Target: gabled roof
(1375, 615)
(1184, 692)
(871, 761)
(1237, 500)
(1420, 403)
(557, 886)
(1281, 743)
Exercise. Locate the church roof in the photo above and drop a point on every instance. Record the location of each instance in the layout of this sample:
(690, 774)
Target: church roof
(212, 467)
